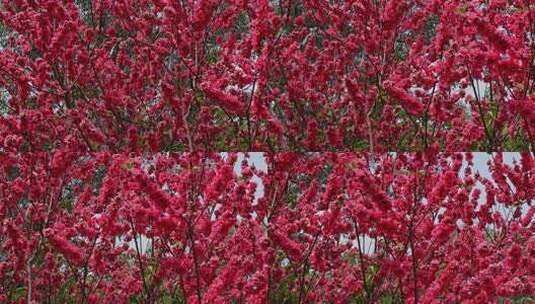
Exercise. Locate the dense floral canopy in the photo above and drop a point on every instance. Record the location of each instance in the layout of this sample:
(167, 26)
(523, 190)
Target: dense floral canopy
(123, 177)
(260, 75)
(324, 228)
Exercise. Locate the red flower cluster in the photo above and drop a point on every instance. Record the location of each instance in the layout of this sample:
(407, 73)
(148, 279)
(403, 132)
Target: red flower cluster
(326, 227)
(114, 116)
(156, 75)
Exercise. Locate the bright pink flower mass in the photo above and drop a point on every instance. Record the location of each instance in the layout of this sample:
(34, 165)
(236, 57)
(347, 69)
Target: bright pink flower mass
(121, 179)
(308, 228)
(267, 75)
